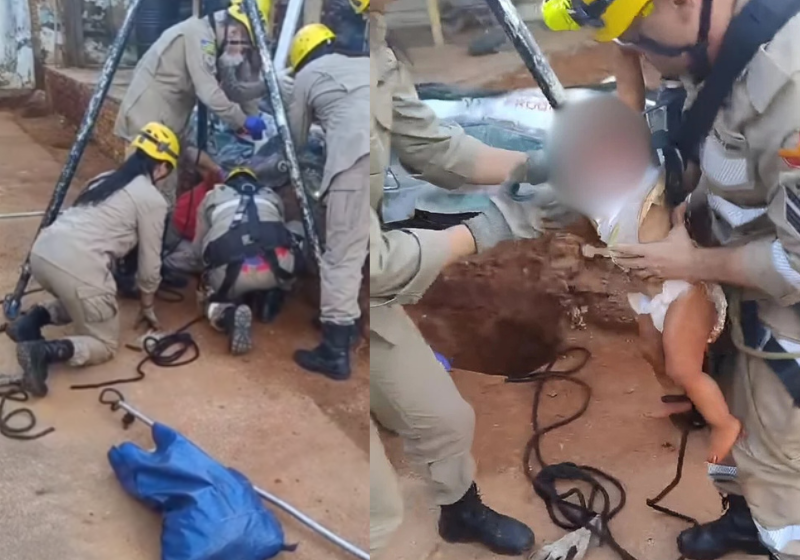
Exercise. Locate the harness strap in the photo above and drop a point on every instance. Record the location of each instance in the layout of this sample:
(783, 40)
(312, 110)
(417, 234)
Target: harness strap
(748, 333)
(756, 24)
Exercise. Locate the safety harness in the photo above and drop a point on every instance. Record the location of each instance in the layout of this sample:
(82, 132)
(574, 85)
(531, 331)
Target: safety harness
(248, 237)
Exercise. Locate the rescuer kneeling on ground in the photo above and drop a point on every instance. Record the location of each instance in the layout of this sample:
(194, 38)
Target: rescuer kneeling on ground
(72, 259)
(249, 255)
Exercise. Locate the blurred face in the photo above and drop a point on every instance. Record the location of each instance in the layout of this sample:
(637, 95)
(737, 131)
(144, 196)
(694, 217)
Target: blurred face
(603, 154)
(237, 45)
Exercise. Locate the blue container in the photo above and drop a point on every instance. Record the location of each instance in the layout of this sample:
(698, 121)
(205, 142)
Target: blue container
(153, 18)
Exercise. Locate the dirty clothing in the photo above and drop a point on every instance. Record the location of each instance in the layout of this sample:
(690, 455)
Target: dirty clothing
(410, 392)
(214, 219)
(179, 69)
(72, 260)
(334, 91)
(753, 191)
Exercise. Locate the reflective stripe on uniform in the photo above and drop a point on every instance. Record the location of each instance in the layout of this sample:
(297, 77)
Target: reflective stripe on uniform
(732, 214)
(779, 539)
(783, 266)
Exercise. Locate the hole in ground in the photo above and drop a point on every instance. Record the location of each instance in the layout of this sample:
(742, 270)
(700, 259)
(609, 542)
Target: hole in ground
(511, 338)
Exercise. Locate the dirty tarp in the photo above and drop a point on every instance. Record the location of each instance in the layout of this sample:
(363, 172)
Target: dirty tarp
(265, 157)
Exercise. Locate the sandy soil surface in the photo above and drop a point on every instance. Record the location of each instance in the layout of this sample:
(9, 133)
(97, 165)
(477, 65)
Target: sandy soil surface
(295, 434)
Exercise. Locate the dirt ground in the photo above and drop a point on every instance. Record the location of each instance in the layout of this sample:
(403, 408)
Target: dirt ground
(297, 435)
(510, 311)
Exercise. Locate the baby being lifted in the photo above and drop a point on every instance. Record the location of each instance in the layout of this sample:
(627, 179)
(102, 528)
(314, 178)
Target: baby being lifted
(603, 168)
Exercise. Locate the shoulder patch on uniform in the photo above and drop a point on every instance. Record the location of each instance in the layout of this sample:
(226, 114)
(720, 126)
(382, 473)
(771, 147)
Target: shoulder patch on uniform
(208, 47)
(791, 156)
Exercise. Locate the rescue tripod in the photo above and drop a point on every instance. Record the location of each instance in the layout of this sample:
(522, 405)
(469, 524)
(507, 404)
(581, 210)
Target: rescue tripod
(13, 301)
(116, 401)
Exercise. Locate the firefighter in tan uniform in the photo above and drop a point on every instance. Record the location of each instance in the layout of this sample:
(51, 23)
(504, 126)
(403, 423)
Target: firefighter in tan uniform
(333, 90)
(72, 259)
(749, 191)
(182, 67)
(410, 393)
(245, 248)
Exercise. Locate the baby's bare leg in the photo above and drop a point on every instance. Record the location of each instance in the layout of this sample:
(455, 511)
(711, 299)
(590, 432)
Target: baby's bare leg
(689, 322)
(652, 348)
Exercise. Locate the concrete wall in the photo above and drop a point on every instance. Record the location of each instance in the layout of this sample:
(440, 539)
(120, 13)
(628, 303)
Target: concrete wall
(16, 48)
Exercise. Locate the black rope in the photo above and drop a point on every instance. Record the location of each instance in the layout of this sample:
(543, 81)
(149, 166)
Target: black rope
(19, 423)
(573, 509)
(167, 351)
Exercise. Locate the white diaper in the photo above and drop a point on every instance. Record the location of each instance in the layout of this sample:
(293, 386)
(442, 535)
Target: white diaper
(657, 306)
(672, 290)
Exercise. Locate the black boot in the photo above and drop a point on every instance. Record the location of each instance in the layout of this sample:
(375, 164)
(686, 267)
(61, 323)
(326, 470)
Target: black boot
(355, 330)
(237, 323)
(332, 356)
(735, 531)
(29, 326)
(268, 304)
(35, 356)
(470, 521)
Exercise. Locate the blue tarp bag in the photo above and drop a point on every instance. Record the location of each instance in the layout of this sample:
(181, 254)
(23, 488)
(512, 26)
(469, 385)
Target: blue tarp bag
(210, 512)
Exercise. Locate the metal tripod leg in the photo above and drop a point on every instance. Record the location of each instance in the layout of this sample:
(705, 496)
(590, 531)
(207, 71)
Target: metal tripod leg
(529, 50)
(12, 302)
(120, 403)
(271, 80)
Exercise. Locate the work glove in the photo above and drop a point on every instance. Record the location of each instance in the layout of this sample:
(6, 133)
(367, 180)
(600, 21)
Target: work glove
(572, 546)
(286, 83)
(255, 127)
(147, 316)
(518, 212)
(536, 170)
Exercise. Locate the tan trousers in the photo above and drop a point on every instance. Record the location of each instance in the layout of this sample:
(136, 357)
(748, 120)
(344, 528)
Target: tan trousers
(92, 311)
(768, 457)
(412, 395)
(346, 244)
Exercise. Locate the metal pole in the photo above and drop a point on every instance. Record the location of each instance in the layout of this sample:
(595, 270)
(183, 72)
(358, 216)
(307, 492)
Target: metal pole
(202, 111)
(11, 305)
(311, 524)
(21, 215)
(271, 80)
(288, 29)
(271, 498)
(529, 50)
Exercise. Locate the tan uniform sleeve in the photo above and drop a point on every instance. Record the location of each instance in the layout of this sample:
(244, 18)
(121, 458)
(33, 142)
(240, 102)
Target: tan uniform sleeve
(243, 87)
(203, 223)
(202, 66)
(442, 154)
(300, 108)
(404, 263)
(151, 219)
(773, 263)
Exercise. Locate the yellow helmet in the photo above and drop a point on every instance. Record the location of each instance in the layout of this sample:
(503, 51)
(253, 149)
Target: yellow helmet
(237, 12)
(158, 142)
(306, 40)
(241, 171)
(611, 18)
(360, 6)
